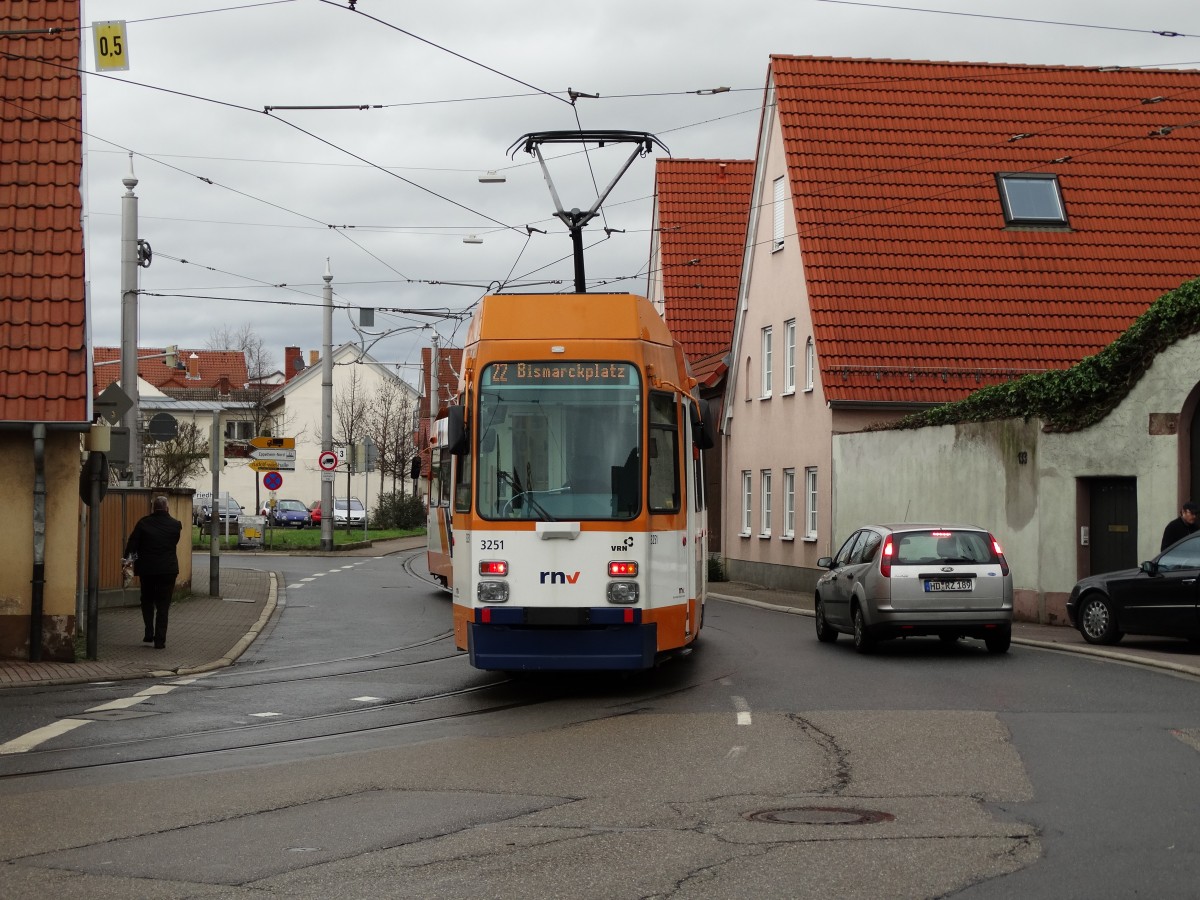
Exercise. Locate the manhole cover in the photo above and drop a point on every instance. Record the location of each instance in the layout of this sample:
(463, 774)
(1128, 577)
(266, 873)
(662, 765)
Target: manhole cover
(819, 815)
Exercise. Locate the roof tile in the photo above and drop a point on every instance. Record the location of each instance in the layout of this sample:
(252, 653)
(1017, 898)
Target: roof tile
(893, 167)
(43, 355)
(703, 208)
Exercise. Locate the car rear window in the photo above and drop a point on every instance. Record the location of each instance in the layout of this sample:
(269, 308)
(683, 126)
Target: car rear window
(919, 548)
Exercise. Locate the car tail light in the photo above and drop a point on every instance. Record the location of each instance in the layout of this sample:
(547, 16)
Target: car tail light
(622, 569)
(999, 553)
(493, 567)
(885, 558)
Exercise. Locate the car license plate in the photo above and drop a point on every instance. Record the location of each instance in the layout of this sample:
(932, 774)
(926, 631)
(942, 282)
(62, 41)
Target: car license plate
(962, 584)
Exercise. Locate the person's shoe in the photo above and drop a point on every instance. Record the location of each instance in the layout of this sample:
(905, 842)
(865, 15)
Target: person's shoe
(148, 639)
(160, 645)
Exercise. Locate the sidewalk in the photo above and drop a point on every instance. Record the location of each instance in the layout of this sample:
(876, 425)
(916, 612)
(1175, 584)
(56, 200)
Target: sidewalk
(1161, 653)
(210, 632)
(203, 633)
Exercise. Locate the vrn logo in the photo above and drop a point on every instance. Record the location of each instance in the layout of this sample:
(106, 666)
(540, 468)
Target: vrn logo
(558, 577)
(624, 546)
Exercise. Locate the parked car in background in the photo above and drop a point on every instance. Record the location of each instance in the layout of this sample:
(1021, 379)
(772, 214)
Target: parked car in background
(314, 512)
(890, 581)
(348, 512)
(228, 513)
(1157, 598)
(290, 513)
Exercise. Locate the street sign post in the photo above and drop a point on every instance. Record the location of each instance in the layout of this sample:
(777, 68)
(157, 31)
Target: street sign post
(113, 403)
(328, 460)
(272, 481)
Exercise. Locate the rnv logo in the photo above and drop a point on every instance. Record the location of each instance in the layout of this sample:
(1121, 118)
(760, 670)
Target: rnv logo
(558, 577)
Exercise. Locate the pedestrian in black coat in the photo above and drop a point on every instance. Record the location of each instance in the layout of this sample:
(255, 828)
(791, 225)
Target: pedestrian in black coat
(1178, 529)
(151, 546)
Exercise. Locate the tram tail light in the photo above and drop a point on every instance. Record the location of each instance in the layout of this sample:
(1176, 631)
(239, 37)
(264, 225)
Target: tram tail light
(493, 567)
(622, 569)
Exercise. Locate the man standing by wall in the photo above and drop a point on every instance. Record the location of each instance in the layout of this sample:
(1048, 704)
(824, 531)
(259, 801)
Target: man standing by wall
(1179, 528)
(151, 546)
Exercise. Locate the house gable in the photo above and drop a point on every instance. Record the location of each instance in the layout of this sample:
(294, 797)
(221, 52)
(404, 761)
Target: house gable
(919, 290)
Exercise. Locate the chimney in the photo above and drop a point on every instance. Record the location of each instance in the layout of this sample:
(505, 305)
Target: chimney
(293, 362)
(314, 357)
(193, 367)
(223, 386)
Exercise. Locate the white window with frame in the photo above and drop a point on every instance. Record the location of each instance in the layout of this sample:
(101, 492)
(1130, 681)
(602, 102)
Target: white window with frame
(765, 525)
(778, 207)
(789, 356)
(747, 499)
(810, 503)
(789, 504)
(767, 374)
(810, 364)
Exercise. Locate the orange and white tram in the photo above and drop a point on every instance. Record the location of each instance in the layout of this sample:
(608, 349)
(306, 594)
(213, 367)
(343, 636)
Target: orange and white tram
(579, 527)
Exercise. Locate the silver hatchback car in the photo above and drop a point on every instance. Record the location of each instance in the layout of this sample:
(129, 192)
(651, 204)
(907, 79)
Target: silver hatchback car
(890, 581)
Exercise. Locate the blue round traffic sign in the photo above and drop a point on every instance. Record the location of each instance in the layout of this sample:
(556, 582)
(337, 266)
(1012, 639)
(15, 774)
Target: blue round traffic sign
(272, 481)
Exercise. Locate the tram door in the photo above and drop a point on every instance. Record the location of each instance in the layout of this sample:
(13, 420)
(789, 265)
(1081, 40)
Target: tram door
(1113, 524)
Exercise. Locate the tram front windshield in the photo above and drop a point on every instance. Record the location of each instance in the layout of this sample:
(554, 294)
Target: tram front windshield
(559, 440)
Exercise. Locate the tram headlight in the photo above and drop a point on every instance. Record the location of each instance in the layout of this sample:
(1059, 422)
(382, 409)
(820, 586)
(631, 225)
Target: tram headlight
(492, 592)
(623, 592)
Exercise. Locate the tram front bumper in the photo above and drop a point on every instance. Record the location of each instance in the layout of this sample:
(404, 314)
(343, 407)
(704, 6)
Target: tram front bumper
(519, 639)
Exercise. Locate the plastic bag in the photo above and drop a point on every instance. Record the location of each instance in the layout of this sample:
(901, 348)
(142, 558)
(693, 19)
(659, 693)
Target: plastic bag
(126, 572)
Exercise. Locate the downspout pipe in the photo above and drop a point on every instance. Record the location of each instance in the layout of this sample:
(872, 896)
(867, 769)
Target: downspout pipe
(37, 599)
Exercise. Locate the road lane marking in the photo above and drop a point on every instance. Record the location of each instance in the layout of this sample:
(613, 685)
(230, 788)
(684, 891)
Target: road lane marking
(743, 710)
(366, 699)
(39, 735)
(265, 715)
(119, 703)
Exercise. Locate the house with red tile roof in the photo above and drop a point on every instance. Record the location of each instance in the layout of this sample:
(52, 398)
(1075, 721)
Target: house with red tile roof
(921, 230)
(701, 207)
(45, 401)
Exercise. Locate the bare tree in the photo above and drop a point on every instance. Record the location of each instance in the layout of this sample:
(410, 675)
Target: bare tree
(177, 461)
(350, 407)
(389, 425)
(260, 362)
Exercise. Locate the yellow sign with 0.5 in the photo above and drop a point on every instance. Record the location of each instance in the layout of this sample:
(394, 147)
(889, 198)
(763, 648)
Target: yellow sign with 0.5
(111, 45)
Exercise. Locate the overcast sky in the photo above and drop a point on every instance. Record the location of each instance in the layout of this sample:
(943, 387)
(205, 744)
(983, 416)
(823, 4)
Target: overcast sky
(247, 198)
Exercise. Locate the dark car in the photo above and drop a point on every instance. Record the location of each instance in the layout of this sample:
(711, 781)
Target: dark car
(1158, 598)
(291, 513)
(228, 513)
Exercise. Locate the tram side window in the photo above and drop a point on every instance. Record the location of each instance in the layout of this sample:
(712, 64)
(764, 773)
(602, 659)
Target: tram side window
(439, 488)
(462, 483)
(663, 453)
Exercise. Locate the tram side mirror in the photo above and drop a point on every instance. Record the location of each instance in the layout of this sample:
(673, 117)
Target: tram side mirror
(457, 437)
(703, 433)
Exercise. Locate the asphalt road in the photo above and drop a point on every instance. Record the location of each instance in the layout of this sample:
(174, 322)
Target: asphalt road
(352, 752)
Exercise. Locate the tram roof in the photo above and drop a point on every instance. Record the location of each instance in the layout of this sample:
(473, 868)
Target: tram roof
(519, 317)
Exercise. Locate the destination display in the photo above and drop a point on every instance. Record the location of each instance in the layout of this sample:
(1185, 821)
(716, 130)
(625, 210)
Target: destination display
(563, 374)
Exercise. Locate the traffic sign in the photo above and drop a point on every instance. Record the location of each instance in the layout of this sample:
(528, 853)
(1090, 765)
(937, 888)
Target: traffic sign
(272, 481)
(113, 403)
(111, 45)
(273, 443)
(277, 455)
(264, 465)
(327, 460)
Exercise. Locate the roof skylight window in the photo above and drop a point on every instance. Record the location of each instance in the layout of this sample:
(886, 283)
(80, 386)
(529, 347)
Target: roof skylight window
(1032, 199)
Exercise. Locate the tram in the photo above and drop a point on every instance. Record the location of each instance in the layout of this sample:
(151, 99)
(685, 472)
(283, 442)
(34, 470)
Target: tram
(578, 513)
(438, 534)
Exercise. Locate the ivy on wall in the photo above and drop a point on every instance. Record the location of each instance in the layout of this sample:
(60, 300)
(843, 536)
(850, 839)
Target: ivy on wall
(1072, 399)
